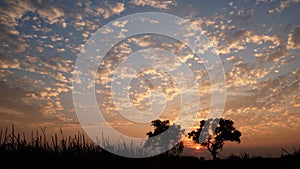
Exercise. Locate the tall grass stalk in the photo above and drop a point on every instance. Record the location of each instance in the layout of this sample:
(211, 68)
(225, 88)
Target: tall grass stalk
(12, 142)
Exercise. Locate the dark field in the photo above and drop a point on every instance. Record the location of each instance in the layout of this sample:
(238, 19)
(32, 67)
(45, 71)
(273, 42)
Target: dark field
(75, 152)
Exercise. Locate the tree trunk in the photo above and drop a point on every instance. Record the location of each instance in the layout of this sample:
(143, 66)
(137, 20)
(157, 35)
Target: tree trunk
(214, 154)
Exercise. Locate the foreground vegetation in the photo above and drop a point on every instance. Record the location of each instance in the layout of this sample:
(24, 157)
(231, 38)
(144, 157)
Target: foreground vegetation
(72, 152)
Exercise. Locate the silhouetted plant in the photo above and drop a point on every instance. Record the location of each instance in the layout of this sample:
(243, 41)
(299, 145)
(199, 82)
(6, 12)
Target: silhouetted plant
(286, 154)
(215, 140)
(165, 137)
(15, 142)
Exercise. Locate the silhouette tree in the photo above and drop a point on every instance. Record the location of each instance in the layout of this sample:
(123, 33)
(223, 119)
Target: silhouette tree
(215, 140)
(165, 137)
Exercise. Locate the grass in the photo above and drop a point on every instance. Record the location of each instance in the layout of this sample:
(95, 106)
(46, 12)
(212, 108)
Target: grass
(58, 151)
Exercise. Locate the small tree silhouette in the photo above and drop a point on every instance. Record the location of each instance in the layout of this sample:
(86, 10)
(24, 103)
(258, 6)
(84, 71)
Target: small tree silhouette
(165, 137)
(215, 140)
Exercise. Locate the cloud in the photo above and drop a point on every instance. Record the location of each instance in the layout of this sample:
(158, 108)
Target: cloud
(233, 58)
(285, 4)
(16, 14)
(143, 41)
(13, 109)
(160, 4)
(294, 38)
(235, 40)
(5, 73)
(243, 74)
(295, 101)
(14, 10)
(51, 14)
(11, 44)
(281, 5)
(120, 24)
(118, 8)
(9, 63)
(34, 88)
(272, 102)
(245, 15)
(55, 67)
(11, 12)
(106, 9)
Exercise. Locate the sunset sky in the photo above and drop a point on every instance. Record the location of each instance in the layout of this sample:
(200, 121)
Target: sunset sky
(258, 43)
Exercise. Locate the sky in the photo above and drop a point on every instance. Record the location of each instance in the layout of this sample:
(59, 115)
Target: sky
(257, 44)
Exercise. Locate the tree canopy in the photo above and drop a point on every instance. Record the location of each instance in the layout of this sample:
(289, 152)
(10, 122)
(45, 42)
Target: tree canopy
(213, 133)
(165, 137)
